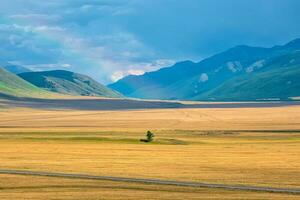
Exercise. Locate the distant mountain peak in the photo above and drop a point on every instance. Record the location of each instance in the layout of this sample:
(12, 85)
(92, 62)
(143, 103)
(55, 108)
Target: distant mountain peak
(185, 62)
(242, 46)
(16, 69)
(293, 44)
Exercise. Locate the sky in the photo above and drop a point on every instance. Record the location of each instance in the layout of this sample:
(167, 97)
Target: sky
(108, 39)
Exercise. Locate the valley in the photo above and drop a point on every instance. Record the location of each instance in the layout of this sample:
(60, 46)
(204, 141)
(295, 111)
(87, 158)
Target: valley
(63, 122)
(150, 99)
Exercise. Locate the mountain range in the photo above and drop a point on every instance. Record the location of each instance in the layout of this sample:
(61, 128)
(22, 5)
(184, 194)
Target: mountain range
(240, 73)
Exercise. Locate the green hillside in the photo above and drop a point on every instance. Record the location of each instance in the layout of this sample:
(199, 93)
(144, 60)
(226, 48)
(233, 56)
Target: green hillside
(12, 84)
(278, 79)
(275, 84)
(67, 82)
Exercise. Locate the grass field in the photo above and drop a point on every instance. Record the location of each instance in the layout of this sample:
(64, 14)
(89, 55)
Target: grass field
(276, 118)
(18, 187)
(251, 146)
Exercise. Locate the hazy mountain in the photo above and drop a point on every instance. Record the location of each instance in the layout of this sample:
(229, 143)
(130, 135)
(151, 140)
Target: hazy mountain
(16, 69)
(189, 80)
(67, 82)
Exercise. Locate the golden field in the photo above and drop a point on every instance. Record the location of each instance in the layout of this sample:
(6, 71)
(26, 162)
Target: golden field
(276, 118)
(251, 146)
(37, 188)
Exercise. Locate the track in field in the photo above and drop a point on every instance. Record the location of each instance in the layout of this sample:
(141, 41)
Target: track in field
(154, 181)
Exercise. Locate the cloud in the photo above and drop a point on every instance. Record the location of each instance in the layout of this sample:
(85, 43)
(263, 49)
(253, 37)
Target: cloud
(36, 17)
(136, 72)
(154, 65)
(42, 67)
(29, 29)
(120, 74)
(141, 68)
(105, 57)
(117, 75)
(14, 27)
(103, 37)
(48, 28)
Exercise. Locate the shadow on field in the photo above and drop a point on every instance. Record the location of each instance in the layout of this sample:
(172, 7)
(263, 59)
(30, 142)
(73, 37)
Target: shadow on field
(124, 104)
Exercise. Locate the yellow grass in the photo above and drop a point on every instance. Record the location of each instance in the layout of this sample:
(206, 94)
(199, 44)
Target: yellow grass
(19, 187)
(281, 118)
(249, 158)
(205, 145)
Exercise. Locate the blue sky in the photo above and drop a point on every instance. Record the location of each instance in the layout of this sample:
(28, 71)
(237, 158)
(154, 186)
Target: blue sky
(108, 39)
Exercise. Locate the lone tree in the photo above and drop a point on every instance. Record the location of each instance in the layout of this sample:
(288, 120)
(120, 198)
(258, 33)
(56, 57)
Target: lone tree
(149, 136)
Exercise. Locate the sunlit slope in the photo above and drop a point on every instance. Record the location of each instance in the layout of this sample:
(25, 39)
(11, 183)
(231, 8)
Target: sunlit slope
(11, 84)
(67, 82)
